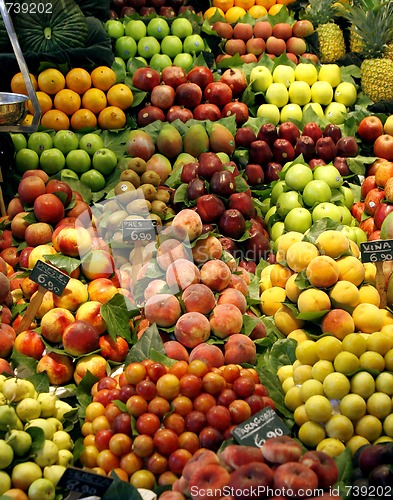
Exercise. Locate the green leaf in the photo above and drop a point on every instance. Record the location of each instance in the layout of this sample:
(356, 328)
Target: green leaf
(40, 382)
(30, 218)
(319, 227)
(26, 362)
(158, 357)
(67, 264)
(253, 288)
(345, 467)
(83, 392)
(38, 437)
(180, 195)
(78, 449)
(357, 164)
(282, 353)
(122, 406)
(249, 323)
(241, 184)
(312, 316)
(301, 280)
(119, 71)
(121, 489)
(149, 340)
(117, 313)
(271, 329)
(230, 62)
(116, 141)
(139, 97)
(79, 187)
(153, 129)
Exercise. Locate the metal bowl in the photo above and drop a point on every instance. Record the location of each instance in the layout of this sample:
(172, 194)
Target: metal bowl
(13, 108)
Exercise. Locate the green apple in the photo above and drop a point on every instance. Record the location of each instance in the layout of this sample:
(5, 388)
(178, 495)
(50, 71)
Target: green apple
(65, 141)
(264, 206)
(330, 175)
(272, 211)
(316, 107)
(41, 489)
(345, 93)
(16, 389)
(349, 232)
(193, 44)
(94, 179)
(39, 142)
(223, 157)
(316, 191)
(90, 143)
(284, 74)
(184, 60)
(298, 219)
(287, 201)
(52, 161)
(78, 161)
(279, 187)
(6, 454)
(158, 28)
(8, 418)
(160, 61)
(348, 197)
(330, 73)
(182, 159)
(299, 93)
(24, 474)
(181, 27)
(171, 45)
(361, 236)
(346, 216)
(20, 442)
(135, 28)
(306, 72)
(322, 93)
(260, 78)
(277, 94)
(298, 176)
(68, 173)
(269, 111)
(291, 112)
(46, 454)
(148, 46)
(326, 209)
(336, 113)
(114, 28)
(104, 160)
(54, 473)
(277, 229)
(5, 482)
(19, 141)
(26, 159)
(125, 47)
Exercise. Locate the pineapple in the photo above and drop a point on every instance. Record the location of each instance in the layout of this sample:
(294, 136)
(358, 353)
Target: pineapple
(330, 36)
(374, 25)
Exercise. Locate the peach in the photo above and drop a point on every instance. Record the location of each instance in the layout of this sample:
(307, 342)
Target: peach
(5, 367)
(101, 290)
(225, 320)
(286, 321)
(233, 296)
(182, 273)
(93, 363)
(98, 264)
(296, 477)
(58, 367)
(163, 309)
(198, 298)
(19, 225)
(201, 457)
(216, 275)
(281, 449)
(5, 315)
(74, 294)
(54, 322)
(238, 283)
(113, 349)
(171, 250)
(30, 344)
(212, 476)
(313, 300)
(234, 455)
(46, 304)
(28, 287)
(300, 254)
(191, 329)
(14, 207)
(39, 253)
(176, 350)
(10, 255)
(367, 318)
(207, 249)
(209, 353)
(190, 221)
(323, 465)
(338, 322)
(345, 295)
(80, 338)
(322, 272)
(153, 288)
(240, 349)
(351, 269)
(90, 312)
(38, 233)
(7, 340)
(73, 241)
(252, 476)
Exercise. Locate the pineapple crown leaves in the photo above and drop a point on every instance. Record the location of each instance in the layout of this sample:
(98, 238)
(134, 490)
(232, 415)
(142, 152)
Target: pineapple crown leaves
(321, 11)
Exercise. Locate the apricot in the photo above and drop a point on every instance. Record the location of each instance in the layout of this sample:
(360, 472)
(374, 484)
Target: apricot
(322, 272)
(299, 335)
(300, 254)
(286, 321)
(225, 320)
(240, 349)
(367, 318)
(345, 295)
(338, 322)
(313, 300)
(368, 294)
(333, 243)
(163, 309)
(351, 269)
(209, 353)
(291, 289)
(279, 275)
(272, 299)
(192, 328)
(285, 241)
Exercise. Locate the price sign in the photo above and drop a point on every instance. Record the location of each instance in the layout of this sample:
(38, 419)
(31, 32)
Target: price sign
(263, 425)
(49, 277)
(84, 482)
(377, 250)
(139, 230)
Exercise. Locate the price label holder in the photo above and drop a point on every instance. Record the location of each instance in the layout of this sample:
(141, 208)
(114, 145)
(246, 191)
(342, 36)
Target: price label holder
(378, 252)
(138, 231)
(80, 482)
(263, 425)
(48, 278)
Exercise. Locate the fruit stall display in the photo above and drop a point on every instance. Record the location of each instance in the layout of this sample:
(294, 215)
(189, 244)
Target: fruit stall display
(254, 141)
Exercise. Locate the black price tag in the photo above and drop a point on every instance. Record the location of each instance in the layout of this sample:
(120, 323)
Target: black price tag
(139, 230)
(263, 425)
(49, 277)
(81, 481)
(376, 251)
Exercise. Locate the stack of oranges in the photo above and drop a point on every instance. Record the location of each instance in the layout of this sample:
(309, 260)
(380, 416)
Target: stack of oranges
(79, 99)
(233, 10)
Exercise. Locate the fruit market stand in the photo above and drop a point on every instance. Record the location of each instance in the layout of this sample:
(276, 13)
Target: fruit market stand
(195, 250)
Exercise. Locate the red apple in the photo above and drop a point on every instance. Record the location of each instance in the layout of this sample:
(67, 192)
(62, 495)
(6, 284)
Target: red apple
(382, 210)
(383, 147)
(370, 128)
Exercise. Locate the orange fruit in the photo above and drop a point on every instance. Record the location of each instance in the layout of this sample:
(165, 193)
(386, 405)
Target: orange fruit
(16, 494)
(244, 4)
(78, 80)
(94, 99)
(224, 5)
(51, 81)
(265, 3)
(83, 118)
(275, 9)
(18, 84)
(233, 14)
(55, 119)
(67, 101)
(103, 77)
(112, 117)
(285, 2)
(212, 11)
(120, 95)
(257, 11)
(27, 120)
(44, 101)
